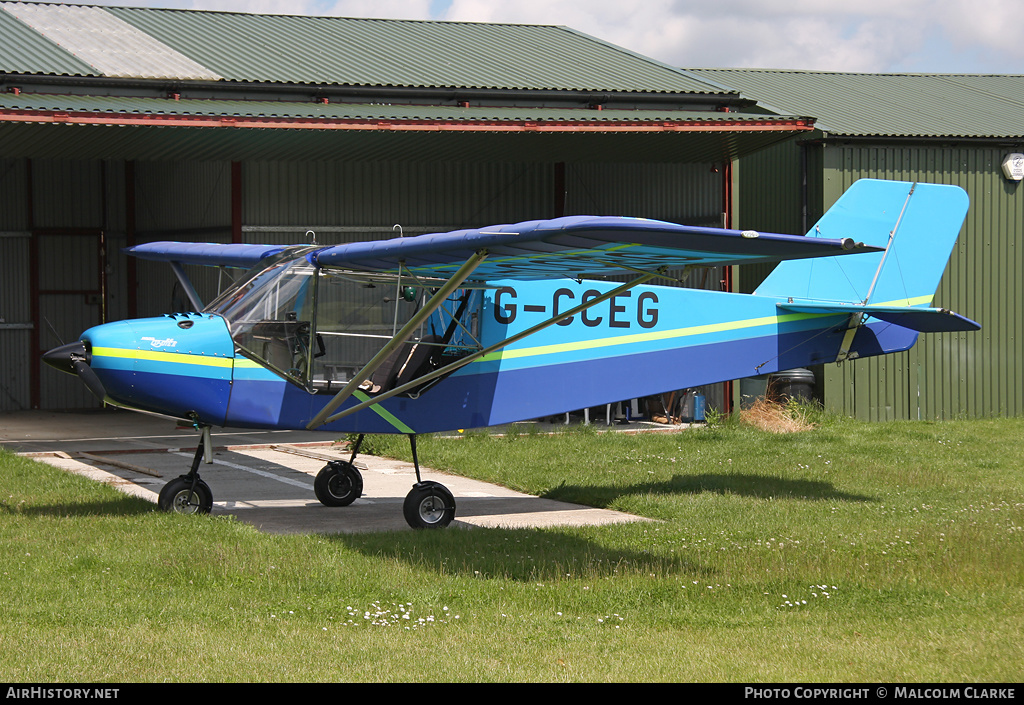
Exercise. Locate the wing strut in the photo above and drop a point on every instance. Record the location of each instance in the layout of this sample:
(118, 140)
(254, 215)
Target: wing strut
(186, 284)
(400, 337)
(462, 362)
(854, 323)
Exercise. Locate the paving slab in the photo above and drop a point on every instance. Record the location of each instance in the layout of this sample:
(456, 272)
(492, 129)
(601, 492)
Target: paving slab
(101, 430)
(265, 478)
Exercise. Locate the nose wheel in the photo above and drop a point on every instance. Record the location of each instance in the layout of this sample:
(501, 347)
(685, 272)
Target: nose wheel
(188, 494)
(182, 496)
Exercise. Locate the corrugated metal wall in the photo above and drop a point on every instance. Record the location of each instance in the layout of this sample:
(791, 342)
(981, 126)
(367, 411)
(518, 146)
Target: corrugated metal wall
(381, 194)
(15, 300)
(177, 201)
(948, 374)
(680, 193)
(55, 216)
(768, 201)
(456, 194)
(73, 205)
(15, 321)
(775, 196)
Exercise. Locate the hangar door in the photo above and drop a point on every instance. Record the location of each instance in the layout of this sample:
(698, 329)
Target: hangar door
(70, 283)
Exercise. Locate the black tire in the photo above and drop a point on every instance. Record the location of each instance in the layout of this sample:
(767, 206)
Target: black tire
(175, 497)
(338, 484)
(429, 505)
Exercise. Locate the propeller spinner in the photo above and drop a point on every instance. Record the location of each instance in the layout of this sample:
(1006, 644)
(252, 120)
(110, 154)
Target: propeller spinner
(74, 358)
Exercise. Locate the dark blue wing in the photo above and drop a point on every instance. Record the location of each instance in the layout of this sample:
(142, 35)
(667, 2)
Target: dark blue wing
(578, 246)
(573, 246)
(208, 253)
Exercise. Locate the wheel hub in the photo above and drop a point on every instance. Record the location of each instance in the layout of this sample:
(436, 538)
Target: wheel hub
(340, 486)
(432, 509)
(184, 502)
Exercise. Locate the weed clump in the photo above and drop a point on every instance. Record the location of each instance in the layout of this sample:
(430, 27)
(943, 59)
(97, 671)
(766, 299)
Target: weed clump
(776, 417)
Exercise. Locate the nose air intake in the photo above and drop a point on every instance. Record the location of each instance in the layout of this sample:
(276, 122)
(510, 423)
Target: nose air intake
(74, 358)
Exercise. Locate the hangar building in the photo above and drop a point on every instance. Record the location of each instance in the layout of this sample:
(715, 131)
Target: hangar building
(122, 125)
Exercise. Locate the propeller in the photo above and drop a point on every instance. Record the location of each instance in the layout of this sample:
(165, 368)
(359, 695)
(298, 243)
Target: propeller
(74, 358)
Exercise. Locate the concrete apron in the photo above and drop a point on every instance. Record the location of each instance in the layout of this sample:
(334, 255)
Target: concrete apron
(265, 478)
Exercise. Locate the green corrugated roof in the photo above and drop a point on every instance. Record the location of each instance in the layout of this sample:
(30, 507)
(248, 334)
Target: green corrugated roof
(23, 50)
(255, 87)
(288, 110)
(133, 127)
(892, 105)
(330, 51)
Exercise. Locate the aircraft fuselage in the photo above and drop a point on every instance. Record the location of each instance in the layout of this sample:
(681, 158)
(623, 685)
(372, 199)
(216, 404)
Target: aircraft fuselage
(645, 341)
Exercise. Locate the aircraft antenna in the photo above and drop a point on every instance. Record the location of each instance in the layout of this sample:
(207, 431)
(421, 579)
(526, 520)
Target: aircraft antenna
(53, 330)
(312, 237)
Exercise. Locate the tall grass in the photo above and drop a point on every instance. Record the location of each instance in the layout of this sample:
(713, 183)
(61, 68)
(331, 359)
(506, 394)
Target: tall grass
(850, 552)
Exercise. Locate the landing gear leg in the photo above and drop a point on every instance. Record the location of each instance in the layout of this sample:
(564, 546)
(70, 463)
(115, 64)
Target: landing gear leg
(188, 494)
(429, 505)
(339, 483)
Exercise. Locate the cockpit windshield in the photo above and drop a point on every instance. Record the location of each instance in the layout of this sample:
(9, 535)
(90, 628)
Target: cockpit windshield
(270, 314)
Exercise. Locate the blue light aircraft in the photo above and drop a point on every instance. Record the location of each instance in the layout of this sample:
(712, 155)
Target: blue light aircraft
(481, 327)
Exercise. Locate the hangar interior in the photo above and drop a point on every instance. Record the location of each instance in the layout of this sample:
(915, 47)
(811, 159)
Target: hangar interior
(342, 128)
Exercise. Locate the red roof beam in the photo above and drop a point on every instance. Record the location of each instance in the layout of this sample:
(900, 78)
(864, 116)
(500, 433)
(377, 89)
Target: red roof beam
(293, 123)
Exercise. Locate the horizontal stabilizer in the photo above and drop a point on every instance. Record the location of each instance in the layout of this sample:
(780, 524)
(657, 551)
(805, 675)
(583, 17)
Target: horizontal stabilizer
(922, 320)
(916, 223)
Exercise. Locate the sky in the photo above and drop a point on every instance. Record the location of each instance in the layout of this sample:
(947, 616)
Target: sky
(919, 36)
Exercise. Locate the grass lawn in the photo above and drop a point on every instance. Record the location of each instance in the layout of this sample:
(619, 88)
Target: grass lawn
(854, 552)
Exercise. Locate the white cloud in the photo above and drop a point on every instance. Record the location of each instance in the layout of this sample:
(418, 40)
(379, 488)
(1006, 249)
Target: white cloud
(870, 35)
(990, 28)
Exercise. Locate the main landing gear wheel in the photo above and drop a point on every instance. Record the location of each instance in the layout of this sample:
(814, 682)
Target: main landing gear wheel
(180, 497)
(429, 505)
(338, 484)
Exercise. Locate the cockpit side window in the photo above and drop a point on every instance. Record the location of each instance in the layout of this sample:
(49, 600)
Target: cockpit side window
(359, 313)
(356, 316)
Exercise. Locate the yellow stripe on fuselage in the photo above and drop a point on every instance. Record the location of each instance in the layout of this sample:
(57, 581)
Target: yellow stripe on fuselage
(160, 356)
(675, 333)
(645, 337)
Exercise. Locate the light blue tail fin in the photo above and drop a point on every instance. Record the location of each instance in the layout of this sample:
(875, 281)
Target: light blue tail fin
(918, 225)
